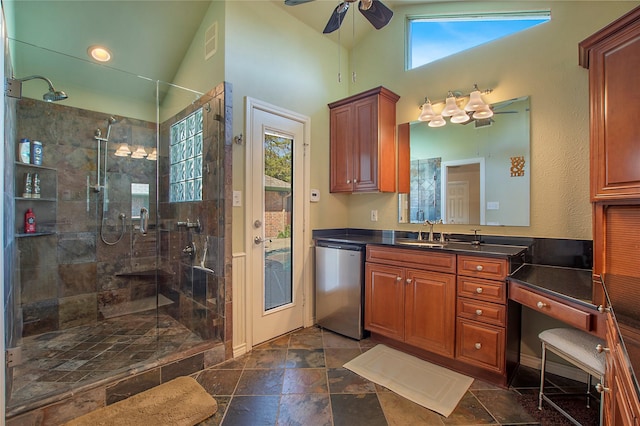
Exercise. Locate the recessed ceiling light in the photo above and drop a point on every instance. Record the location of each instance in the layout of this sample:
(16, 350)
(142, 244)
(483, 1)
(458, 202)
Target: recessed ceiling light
(99, 53)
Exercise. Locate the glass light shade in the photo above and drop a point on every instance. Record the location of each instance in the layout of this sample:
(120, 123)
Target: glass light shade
(484, 112)
(153, 156)
(450, 107)
(427, 113)
(139, 153)
(460, 117)
(438, 121)
(123, 150)
(475, 101)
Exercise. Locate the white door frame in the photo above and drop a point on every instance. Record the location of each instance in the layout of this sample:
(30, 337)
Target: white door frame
(444, 181)
(252, 104)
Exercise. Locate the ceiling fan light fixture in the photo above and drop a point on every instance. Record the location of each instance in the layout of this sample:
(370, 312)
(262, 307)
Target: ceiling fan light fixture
(365, 4)
(438, 121)
(99, 53)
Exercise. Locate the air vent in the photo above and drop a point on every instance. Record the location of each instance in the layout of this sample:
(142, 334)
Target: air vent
(211, 41)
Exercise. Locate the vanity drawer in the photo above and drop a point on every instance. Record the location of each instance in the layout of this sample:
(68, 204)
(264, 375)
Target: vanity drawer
(564, 312)
(419, 258)
(489, 313)
(482, 267)
(481, 345)
(490, 291)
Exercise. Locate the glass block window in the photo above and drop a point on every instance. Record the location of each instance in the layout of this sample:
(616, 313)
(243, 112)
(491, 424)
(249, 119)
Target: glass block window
(185, 159)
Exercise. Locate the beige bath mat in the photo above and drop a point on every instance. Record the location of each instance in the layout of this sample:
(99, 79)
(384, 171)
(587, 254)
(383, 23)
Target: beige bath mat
(179, 402)
(429, 385)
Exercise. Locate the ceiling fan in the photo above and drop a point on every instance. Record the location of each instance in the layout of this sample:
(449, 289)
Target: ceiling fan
(377, 13)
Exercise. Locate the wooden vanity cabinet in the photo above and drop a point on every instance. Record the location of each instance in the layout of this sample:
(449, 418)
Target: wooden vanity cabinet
(481, 336)
(363, 142)
(621, 407)
(410, 297)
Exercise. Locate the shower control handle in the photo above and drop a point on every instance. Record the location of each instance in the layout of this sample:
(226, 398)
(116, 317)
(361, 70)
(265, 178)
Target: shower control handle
(144, 220)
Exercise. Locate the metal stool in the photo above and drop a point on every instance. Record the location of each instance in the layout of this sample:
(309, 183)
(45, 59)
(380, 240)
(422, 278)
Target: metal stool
(578, 348)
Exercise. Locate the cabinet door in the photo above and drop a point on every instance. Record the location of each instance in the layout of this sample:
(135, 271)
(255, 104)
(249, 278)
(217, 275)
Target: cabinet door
(365, 158)
(384, 300)
(342, 148)
(614, 62)
(430, 299)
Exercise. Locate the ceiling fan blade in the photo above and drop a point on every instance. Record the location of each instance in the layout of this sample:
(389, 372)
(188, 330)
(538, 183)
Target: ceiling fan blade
(336, 18)
(377, 13)
(295, 2)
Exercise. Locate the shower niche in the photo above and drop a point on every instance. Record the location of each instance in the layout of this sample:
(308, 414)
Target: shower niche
(42, 201)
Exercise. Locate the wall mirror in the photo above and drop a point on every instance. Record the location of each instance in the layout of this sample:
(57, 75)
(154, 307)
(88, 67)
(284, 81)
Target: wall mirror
(477, 173)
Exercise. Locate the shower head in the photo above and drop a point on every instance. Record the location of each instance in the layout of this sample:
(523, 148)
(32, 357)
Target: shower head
(112, 120)
(15, 85)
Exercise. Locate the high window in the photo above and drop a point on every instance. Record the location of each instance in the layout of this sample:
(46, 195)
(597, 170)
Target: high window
(435, 37)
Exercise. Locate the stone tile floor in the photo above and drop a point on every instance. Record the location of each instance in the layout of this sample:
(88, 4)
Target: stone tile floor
(298, 379)
(59, 361)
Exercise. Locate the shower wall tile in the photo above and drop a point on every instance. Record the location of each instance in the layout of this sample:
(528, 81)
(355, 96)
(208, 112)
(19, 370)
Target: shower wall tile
(40, 317)
(76, 247)
(78, 310)
(77, 278)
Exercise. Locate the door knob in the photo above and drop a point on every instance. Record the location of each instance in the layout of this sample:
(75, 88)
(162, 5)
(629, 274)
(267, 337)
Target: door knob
(258, 240)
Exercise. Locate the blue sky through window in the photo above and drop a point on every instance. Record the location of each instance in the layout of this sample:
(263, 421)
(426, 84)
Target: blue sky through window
(435, 38)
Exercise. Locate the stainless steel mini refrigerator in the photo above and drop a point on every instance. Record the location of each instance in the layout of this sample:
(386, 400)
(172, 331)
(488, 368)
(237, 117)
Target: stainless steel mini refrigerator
(340, 288)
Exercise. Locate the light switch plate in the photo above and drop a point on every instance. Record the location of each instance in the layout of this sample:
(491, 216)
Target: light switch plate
(237, 198)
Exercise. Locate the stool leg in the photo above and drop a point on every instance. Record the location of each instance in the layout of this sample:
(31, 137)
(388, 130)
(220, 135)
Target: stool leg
(544, 361)
(588, 390)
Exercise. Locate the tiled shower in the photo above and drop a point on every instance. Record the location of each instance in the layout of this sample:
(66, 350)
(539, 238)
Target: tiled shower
(97, 296)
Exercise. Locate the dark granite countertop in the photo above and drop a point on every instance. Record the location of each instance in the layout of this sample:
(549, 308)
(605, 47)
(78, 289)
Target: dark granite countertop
(398, 239)
(570, 284)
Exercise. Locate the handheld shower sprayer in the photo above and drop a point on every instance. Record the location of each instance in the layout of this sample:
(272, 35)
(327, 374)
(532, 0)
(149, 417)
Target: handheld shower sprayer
(98, 136)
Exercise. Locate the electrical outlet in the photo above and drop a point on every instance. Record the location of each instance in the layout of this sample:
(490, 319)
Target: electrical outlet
(374, 215)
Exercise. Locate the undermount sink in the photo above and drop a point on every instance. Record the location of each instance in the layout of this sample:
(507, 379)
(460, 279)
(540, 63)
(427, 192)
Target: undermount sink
(420, 243)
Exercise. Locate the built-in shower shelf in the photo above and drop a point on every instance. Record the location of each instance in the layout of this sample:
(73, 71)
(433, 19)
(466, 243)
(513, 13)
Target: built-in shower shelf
(35, 234)
(150, 273)
(134, 306)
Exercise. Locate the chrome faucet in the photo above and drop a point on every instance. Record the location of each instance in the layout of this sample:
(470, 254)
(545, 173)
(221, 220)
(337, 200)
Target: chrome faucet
(430, 224)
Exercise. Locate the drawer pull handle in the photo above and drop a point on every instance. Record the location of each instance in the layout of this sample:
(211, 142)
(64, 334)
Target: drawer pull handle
(479, 268)
(348, 180)
(398, 278)
(478, 345)
(541, 305)
(479, 290)
(408, 280)
(478, 312)
(603, 309)
(601, 348)
(602, 388)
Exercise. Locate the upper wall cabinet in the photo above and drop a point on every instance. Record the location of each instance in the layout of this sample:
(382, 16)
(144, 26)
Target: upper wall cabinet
(612, 56)
(363, 144)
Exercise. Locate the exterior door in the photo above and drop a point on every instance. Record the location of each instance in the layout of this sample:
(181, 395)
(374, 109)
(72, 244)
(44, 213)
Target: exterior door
(275, 225)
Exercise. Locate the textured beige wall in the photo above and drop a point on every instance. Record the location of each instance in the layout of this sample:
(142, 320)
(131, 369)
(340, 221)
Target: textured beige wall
(541, 62)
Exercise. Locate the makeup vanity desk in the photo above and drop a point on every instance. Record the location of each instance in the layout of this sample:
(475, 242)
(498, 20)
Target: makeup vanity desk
(567, 294)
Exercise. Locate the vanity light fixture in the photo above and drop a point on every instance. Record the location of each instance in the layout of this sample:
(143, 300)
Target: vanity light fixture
(475, 108)
(139, 153)
(153, 156)
(99, 53)
(123, 150)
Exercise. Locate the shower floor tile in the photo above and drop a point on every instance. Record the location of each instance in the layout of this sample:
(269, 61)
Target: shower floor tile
(59, 361)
